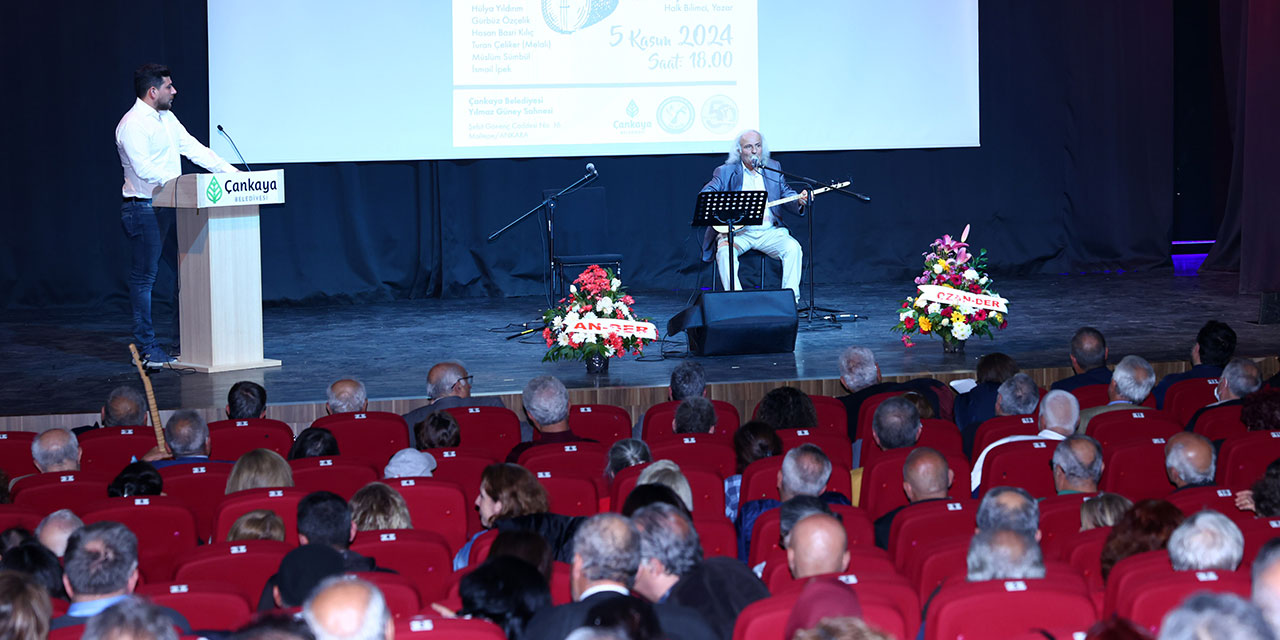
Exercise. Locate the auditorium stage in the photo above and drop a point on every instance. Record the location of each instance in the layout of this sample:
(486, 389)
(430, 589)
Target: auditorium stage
(66, 361)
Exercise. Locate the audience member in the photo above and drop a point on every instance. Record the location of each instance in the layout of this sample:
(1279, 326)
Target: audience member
(978, 404)
(136, 479)
(666, 472)
(625, 453)
(606, 556)
(1240, 378)
(347, 396)
(546, 403)
(688, 380)
(410, 463)
(922, 405)
(1009, 508)
(1204, 541)
(246, 401)
(896, 424)
(752, 441)
(56, 527)
(102, 569)
(1088, 357)
(633, 618)
(695, 415)
(787, 408)
(1131, 383)
(448, 386)
(1145, 527)
(1264, 496)
(805, 472)
(259, 524)
(1077, 465)
(348, 608)
(25, 608)
(1206, 615)
(507, 591)
(187, 437)
(860, 376)
(1103, 510)
(133, 618)
(274, 626)
(925, 477)
(644, 495)
(794, 510)
(673, 569)
(818, 545)
(125, 407)
(324, 518)
(506, 491)
(54, 450)
(300, 571)
(840, 628)
(1059, 412)
(1189, 460)
(1266, 582)
(1004, 554)
(14, 536)
(377, 506)
(439, 430)
(314, 442)
(33, 559)
(1215, 344)
(259, 469)
(525, 545)
(1261, 411)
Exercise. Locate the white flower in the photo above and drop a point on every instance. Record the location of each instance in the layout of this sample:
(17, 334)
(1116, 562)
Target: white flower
(571, 318)
(579, 337)
(591, 315)
(563, 340)
(937, 267)
(591, 338)
(935, 308)
(922, 303)
(605, 305)
(982, 280)
(614, 284)
(966, 309)
(557, 322)
(623, 308)
(573, 288)
(970, 275)
(904, 315)
(945, 321)
(609, 351)
(961, 331)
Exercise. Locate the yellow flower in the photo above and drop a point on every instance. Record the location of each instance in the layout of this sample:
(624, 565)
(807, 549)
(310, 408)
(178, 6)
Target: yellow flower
(925, 324)
(995, 315)
(956, 316)
(943, 264)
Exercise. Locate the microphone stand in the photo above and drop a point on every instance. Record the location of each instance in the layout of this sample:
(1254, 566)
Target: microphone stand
(549, 205)
(811, 310)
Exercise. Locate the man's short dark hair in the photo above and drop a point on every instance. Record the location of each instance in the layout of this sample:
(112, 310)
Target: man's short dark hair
(695, 415)
(787, 408)
(325, 518)
(896, 423)
(1217, 343)
(147, 76)
(687, 380)
(126, 406)
(1089, 348)
(667, 533)
(246, 400)
(100, 558)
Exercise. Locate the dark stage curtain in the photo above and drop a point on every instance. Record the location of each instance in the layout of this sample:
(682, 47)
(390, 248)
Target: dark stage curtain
(1074, 172)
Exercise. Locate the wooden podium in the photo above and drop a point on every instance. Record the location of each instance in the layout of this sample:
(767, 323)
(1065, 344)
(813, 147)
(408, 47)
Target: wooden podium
(220, 266)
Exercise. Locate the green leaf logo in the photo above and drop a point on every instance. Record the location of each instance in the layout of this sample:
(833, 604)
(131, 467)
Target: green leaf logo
(214, 191)
(632, 109)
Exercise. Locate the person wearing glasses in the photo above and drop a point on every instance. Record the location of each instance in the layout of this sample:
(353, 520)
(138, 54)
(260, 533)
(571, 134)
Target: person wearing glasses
(448, 386)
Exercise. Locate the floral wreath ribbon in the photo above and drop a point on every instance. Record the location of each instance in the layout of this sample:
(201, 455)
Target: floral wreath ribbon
(606, 326)
(953, 297)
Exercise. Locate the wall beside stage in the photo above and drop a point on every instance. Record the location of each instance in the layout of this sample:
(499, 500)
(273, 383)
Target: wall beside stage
(1074, 172)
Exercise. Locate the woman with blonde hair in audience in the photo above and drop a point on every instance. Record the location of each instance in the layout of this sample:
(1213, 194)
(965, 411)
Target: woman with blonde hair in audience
(377, 506)
(506, 491)
(667, 473)
(259, 469)
(259, 524)
(1103, 510)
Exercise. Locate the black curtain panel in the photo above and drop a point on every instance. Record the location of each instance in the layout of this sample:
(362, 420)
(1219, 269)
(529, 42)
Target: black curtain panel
(1074, 172)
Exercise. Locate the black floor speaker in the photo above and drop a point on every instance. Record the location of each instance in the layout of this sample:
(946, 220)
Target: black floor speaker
(723, 323)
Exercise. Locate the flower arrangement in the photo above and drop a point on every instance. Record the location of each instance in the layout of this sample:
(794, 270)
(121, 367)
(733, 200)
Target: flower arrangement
(595, 319)
(955, 298)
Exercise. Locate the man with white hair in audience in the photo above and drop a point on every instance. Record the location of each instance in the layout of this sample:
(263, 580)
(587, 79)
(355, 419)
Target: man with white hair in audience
(1004, 554)
(860, 376)
(1266, 582)
(1206, 541)
(187, 436)
(53, 450)
(348, 608)
(1239, 378)
(347, 396)
(1215, 616)
(546, 403)
(1077, 465)
(1009, 508)
(448, 386)
(56, 528)
(1059, 412)
(1131, 383)
(805, 472)
(1189, 461)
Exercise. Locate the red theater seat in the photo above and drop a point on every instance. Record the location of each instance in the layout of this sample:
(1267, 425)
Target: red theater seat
(1002, 427)
(1084, 553)
(1135, 470)
(230, 439)
(1185, 397)
(1221, 499)
(882, 482)
(578, 459)
(1160, 590)
(15, 453)
(1026, 463)
(246, 564)
(766, 530)
(421, 556)
(1221, 423)
(372, 435)
(760, 480)
(48, 492)
(12, 515)
(422, 627)
(706, 486)
(660, 418)
(831, 414)
(164, 526)
(1092, 395)
(491, 430)
(603, 423)
(1122, 427)
(698, 451)
(400, 592)
(718, 537)
(920, 524)
(942, 435)
(437, 506)
(1059, 522)
(767, 619)
(339, 474)
(1244, 458)
(463, 468)
(282, 501)
(200, 487)
(835, 444)
(205, 604)
(111, 449)
(1004, 608)
(867, 412)
(570, 495)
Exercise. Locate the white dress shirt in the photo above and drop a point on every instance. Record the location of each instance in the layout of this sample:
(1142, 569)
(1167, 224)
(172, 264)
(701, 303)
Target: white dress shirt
(754, 181)
(600, 588)
(975, 476)
(149, 143)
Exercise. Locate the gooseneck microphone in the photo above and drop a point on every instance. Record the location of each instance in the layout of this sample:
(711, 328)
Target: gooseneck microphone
(755, 162)
(234, 147)
(591, 169)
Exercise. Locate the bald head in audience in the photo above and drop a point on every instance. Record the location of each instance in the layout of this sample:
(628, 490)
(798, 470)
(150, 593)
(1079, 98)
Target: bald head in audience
(344, 608)
(1189, 460)
(925, 475)
(56, 528)
(56, 450)
(347, 396)
(818, 545)
(125, 406)
(1077, 465)
(447, 379)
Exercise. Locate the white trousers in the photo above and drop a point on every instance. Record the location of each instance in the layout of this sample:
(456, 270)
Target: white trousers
(774, 242)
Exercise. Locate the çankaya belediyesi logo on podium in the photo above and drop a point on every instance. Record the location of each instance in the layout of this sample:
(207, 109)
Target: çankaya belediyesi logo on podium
(248, 187)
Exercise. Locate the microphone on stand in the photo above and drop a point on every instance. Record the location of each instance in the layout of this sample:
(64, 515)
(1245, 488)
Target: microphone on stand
(591, 169)
(234, 147)
(755, 162)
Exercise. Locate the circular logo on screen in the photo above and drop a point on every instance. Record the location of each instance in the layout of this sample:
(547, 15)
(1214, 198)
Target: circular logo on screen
(719, 114)
(675, 115)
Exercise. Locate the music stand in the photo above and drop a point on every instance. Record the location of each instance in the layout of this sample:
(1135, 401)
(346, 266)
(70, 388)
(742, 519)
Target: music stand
(731, 209)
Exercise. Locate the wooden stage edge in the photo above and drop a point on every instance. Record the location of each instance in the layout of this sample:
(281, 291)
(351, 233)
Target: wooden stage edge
(743, 395)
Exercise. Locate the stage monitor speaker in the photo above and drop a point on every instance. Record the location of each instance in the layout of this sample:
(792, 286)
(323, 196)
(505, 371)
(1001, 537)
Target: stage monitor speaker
(723, 323)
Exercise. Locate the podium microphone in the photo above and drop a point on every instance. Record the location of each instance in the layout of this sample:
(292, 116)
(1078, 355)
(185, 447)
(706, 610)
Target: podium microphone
(233, 146)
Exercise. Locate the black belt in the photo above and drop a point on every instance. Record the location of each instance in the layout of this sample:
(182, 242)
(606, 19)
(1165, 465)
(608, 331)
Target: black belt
(133, 199)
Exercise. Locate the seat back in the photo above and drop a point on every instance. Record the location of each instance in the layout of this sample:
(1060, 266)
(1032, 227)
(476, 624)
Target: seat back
(1083, 551)
(200, 487)
(400, 593)
(604, 423)
(1026, 463)
(12, 515)
(882, 482)
(491, 430)
(1005, 608)
(580, 459)
(942, 435)
(1256, 533)
(15, 453)
(111, 449)
(832, 442)
(463, 468)
(1060, 522)
(918, 525)
(1160, 590)
(374, 436)
(1221, 423)
(424, 557)
(705, 452)
(832, 417)
(1185, 397)
(766, 619)
(339, 474)
(765, 532)
(884, 584)
(435, 505)
(48, 492)
(1135, 470)
(570, 495)
(205, 604)
(1244, 458)
(760, 480)
(424, 627)
(1195, 499)
(1120, 427)
(1129, 572)
(1092, 395)
(283, 501)
(1001, 427)
(230, 439)
(164, 526)
(246, 564)
(660, 418)
(718, 537)
(867, 411)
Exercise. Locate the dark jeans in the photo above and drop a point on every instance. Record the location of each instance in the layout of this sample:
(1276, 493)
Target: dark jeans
(147, 228)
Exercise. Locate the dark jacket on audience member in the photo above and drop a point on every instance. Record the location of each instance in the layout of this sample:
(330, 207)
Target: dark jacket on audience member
(450, 402)
(1096, 375)
(556, 529)
(853, 401)
(718, 589)
(352, 563)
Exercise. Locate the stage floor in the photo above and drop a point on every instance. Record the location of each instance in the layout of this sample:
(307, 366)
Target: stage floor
(66, 361)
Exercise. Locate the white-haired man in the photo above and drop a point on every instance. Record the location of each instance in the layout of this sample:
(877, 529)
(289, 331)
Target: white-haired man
(1131, 383)
(1059, 412)
(1206, 541)
(860, 376)
(1239, 378)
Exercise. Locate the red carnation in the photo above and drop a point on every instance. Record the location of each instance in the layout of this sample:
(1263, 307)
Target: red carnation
(909, 323)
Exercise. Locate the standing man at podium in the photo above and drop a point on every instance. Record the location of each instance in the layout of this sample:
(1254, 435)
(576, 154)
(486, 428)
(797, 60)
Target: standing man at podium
(150, 140)
(745, 171)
